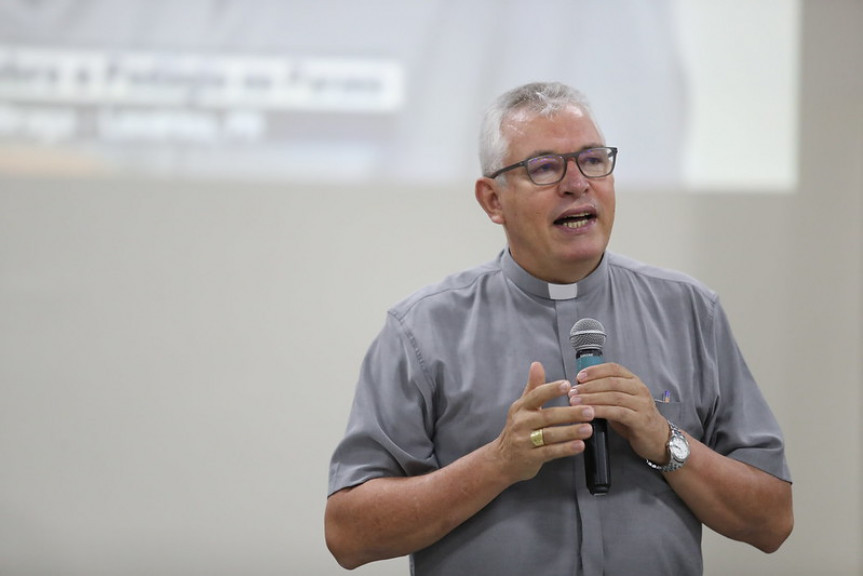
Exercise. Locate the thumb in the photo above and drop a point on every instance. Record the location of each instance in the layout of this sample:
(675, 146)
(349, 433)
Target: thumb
(535, 377)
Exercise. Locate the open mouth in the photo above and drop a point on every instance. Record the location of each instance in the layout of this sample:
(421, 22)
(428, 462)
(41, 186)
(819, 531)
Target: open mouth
(575, 220)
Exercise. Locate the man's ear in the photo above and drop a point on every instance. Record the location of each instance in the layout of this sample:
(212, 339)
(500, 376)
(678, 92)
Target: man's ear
(487, 192)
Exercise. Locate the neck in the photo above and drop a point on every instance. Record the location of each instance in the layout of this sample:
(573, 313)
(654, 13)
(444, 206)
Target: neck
(568, 275)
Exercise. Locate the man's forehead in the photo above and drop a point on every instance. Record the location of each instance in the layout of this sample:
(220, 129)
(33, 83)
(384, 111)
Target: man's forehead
(518, 122)
(523, 122)
(525, 115)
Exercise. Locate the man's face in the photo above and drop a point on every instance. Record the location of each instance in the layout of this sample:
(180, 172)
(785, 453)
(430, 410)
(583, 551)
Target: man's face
(559, 232)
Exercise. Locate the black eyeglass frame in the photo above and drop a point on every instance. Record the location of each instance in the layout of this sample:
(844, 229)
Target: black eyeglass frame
(565, 157)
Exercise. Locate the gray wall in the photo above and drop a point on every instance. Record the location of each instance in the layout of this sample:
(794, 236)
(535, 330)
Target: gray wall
(177, 360)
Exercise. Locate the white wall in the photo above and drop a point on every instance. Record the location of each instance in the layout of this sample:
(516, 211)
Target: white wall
(177, 359)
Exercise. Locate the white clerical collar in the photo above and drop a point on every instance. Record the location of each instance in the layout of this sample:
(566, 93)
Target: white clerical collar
(529, 283)
(562, 291)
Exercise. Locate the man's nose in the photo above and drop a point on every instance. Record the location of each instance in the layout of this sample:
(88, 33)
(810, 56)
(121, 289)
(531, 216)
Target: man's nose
(573, 181)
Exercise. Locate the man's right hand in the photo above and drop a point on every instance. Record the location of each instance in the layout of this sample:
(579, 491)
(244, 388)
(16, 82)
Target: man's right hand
(564, 428)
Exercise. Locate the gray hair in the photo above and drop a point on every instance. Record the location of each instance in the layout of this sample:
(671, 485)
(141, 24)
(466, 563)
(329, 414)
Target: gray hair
(541, 98)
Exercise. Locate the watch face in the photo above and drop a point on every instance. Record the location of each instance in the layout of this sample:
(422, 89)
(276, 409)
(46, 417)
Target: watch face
(679, 448)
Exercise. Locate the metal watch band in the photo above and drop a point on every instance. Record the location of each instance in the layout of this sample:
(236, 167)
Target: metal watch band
(673, 464)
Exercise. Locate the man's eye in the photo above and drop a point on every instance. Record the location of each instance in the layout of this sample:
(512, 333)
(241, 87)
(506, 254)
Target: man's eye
(543, 165)
(593, 159)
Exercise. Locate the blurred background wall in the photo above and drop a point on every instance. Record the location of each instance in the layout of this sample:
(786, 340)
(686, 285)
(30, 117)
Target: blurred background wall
(183, 314)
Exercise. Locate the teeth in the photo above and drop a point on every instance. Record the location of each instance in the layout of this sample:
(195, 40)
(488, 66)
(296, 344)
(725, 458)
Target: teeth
(574, 223)
(576, 220)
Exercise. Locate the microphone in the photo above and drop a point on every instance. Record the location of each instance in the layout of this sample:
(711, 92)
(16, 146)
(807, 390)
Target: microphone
(587, 338)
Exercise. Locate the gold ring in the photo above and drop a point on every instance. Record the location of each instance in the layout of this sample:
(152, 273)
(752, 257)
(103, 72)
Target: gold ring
(536, 438)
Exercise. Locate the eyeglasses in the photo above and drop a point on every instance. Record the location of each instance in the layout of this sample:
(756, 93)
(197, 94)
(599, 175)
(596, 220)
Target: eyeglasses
(550, 169)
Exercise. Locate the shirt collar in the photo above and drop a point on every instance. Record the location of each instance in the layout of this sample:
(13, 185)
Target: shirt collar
(533, 285)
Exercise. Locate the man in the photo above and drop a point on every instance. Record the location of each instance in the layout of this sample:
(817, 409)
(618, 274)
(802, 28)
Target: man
(450, 458)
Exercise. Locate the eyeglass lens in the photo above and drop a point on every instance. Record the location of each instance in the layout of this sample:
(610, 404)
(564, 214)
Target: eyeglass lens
(594, 163)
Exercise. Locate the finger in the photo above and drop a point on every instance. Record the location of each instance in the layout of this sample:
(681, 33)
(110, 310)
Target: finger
(605, 370)
(606, 377)
(538, 391)
(537, 398)
(616, 398)
(561, 434)
(564, 415)
(535, 377)
(562, 441)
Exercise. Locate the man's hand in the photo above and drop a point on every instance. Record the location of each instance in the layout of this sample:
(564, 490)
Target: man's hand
(564, 428)
(619, 396)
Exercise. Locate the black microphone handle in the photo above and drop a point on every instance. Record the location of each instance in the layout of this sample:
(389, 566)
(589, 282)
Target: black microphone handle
(597, 465)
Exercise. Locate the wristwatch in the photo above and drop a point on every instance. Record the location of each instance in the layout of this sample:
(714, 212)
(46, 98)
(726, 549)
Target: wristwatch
(678, 449)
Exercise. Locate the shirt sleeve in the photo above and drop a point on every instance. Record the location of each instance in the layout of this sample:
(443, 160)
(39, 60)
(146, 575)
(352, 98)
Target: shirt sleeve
(743, 426)
(391, 423)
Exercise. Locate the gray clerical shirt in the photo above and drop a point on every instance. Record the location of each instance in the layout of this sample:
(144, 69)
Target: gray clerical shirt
(439, 379)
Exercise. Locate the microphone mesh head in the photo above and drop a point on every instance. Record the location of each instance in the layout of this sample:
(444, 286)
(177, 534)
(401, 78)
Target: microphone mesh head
(587, 334)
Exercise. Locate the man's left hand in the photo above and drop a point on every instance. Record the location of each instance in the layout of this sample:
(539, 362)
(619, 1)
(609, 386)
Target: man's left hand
(620, 397)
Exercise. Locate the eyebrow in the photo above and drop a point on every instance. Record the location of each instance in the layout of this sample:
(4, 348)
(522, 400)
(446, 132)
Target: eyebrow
(552, 152)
